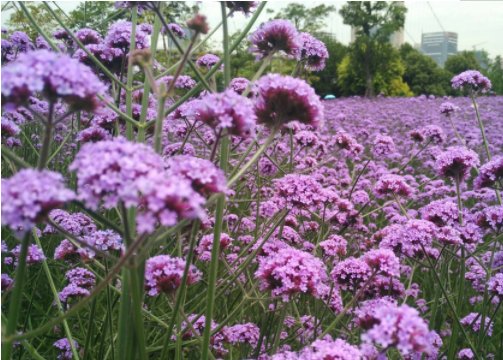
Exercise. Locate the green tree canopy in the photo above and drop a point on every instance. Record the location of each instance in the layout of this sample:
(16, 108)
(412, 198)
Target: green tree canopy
(462, 61)
(422, 73)
(373, 23)
(306, 19)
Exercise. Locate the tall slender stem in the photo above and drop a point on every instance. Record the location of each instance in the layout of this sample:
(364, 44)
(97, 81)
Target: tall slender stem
(46, 144)
(129, 91)
(16, 297)
(219, 213)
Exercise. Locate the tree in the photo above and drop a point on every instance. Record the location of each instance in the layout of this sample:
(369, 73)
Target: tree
(462, 61)
(19, 22)
(373, 23)
(422, 73)
(306, 19)
(496, 75)
(96, 15)
(387, 80)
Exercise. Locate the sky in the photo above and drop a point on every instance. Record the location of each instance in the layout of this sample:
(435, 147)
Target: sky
(479, 24)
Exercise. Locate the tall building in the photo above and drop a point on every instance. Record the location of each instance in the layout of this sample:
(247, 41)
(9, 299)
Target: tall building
(439, 45)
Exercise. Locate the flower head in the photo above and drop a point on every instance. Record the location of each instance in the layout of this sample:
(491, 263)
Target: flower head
(29, 195)
(313, 52)
(471, 79)
(391, 184)
(490, 173)
(282, 99)
(274, 36)
(176, 29)
(65, 349)
(55, 76)
(163, 274)
(207, 61)
(226, 111)
(119, 36)
(456, 162)
(292, 271)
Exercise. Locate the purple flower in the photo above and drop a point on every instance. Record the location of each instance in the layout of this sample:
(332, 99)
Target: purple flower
(77, 224)
(72, 291)
(447, 108)
(204, 176)
(55, 76)
(239, 85)
(440, 212)
(301, 191)
(6, 281)
(382, 262)
(474, 321)
(226, 111)
(65, 251)
(164, 273)
(403, 328)
(351, 273)
(176, 29)
(93, 134)
(29, 195)
(108, 171)
(323, 349)
(491, 218)
(244, 6)
(103, 240)
(456, 162)
(410, 238)
(35, 254)
(81, 277)
(471, 79)
(433, 134)
(17, 44)
(176, 148)
(203, 250)
(184, 82)
(466, 354)
(165, 200)
(247, 333)
(274, 36)
(383, 146)
(10, 131)
(495, 285)
(282, 99)
(335, 245)
(292, 271)
(391, 184)
(313, 52)
(88, 36)
(490, 174)
(207, 61)
(119, 36)
(41, 43)
(65, 349)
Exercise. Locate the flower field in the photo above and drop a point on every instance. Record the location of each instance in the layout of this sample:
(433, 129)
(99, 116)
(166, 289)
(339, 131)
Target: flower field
(155, 210)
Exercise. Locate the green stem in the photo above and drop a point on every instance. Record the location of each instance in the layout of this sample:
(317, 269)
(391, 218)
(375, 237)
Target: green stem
(9, 154)
(129, 91)
(481, 127)
(46, 144)
(16, 298)
(254, 158)
(55, 295)
(147, 86)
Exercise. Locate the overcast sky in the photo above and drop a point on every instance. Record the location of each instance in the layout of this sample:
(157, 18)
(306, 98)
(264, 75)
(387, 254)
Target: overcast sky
(479, 24)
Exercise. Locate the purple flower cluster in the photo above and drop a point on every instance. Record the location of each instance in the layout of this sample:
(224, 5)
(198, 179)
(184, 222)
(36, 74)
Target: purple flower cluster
(471, 79)
(119, 35)
(29, 195)
(275, 36)
(281, 99)
(65, 349)
(298, 190)
(226, 111)
(291, 271)
(80, 281)
(474, 321)
(391, 184)
(403, 328)
(323, 349)
(313, 52)
(490, 174)
(207, 61)
(163, 274)
(456, 162)
(176, 29)
(53, 75)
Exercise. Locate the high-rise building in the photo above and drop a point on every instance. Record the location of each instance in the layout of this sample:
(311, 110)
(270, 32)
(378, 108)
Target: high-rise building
(439, 45)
